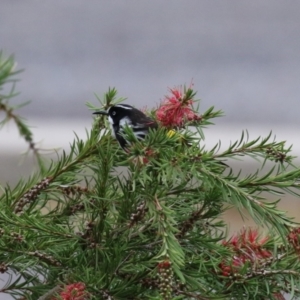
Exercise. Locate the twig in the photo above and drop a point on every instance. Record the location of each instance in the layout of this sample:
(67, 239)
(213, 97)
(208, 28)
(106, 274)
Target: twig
(50, 293)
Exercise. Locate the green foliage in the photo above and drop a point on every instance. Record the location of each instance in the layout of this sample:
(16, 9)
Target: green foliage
(147, 223)
(7, 93)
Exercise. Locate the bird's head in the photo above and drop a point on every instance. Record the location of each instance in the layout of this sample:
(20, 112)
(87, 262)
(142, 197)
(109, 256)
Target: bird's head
(118, 113)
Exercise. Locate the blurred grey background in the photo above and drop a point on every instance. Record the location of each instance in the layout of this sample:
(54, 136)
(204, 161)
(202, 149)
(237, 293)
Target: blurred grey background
(243, 57)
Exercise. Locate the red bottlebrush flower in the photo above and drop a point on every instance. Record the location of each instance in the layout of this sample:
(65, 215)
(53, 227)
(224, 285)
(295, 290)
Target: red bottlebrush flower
(247, 247)
(278, 296)
(246, 239)
(149, 153)
(294, 238)
(176, 109)
(144, 159)
(164, 265)
(74, 291)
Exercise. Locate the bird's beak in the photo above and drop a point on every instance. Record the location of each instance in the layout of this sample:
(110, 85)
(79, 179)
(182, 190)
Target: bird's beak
(101, 112)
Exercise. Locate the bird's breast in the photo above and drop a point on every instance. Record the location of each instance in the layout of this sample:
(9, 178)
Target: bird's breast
(125, 121)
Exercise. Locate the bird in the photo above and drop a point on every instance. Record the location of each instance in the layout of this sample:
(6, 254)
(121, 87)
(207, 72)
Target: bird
(122, 115)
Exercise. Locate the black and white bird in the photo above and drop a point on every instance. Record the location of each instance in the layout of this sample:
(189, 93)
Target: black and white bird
(121, 115)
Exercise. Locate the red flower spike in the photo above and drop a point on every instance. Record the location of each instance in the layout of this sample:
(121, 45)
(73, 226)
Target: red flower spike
(141, 160)
(164, 265)
(74, 291)
(176, 109)
(294, 238)
(278, 296)
(247, 247)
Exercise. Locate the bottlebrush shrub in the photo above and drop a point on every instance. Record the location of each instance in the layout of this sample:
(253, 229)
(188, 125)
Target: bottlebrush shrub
(82, 227)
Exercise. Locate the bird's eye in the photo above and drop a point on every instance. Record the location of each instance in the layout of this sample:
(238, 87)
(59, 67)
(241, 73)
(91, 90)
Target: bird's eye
(113, 113)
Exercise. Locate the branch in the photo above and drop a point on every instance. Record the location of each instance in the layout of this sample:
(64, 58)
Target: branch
(50, 293)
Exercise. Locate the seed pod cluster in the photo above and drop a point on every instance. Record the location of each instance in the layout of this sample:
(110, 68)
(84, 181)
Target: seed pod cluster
(165, 275)
(31, 195)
